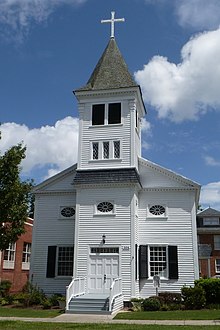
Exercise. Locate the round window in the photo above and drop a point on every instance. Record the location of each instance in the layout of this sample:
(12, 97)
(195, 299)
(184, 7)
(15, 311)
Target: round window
(157, 210)
(105, 207)
(68, 212)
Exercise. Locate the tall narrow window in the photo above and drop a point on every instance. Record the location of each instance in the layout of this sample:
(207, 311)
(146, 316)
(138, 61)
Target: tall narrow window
(9, 257)
(217, 265)
(106, 150)
(26, 256)
(9, 253)
(98, 114)
(116, 149)
(114, 113)
(95, 150)
(26, 252)
(158, 261)
(217, 242)
(65, 261)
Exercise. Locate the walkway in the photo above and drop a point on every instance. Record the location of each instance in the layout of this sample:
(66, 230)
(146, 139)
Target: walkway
(94, 318)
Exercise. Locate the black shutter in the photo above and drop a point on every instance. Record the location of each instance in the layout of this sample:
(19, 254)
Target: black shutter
(51, 261)
(143, 261)
(136, 261)
(173, 262)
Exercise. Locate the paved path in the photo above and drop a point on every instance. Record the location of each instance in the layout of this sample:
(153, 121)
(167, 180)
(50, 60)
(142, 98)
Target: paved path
(93, 318)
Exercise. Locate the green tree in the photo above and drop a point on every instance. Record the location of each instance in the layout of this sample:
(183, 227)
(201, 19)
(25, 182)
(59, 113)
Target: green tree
(14, 196)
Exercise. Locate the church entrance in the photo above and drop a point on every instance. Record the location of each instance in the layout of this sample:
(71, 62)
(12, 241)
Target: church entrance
(103, 269)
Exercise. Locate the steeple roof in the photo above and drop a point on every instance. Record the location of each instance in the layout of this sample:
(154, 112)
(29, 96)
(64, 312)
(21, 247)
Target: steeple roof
(111, 71)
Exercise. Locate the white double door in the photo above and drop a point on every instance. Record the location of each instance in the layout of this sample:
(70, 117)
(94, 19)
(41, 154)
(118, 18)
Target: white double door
(103, 269)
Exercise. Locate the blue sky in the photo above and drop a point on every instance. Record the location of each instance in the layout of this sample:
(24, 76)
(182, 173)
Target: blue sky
(48, 48)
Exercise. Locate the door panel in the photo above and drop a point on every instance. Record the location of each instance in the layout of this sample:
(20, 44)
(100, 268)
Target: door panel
(103, 269)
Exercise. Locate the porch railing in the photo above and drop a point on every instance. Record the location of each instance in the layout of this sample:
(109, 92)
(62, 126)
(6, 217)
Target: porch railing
(76, 288)
(115, 291)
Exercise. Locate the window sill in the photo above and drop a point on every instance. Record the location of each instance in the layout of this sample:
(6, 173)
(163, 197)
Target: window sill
(25, 266)
(105, 160)
(107, 125)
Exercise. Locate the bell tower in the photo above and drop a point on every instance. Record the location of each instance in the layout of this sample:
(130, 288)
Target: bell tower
(110, 108)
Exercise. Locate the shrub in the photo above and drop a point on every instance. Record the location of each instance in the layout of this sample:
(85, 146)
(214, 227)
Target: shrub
(32, 295)
(151, 304)
(5, 286)
(137, 304)
(211, 286)
(170, 297)
(193, 297)
(55, 298)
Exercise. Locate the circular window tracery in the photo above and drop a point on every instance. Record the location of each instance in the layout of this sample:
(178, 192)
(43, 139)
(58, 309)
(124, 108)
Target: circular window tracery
(68, 212)
(105, 207)
(157, 210)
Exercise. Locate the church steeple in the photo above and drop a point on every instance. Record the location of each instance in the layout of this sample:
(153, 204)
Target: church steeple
(110, 108)
(111, 71)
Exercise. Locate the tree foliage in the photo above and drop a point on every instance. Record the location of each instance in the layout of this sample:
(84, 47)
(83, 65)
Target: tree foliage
(14, 196)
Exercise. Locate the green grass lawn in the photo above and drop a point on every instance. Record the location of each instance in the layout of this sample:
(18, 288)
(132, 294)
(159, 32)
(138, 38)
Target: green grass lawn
(207, 314)
(19, 325)
(29, 312)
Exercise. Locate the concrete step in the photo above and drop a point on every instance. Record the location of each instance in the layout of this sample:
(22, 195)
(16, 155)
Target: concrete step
(88, 304)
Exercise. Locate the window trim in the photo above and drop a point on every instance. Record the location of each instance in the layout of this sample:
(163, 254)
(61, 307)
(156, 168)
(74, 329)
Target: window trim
(106, 114)
(104, 214)
(217, 244)
(167, 260)
(8, 263)
(217, 271)
(101, 150)
(27, 254)
(57, 261)
(151, 216)
(62, 217)
(209, 220)
(172, 262)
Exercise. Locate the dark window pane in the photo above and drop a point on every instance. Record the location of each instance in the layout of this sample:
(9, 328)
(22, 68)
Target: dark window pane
(98, 114)
(65, 261)
(114, 113)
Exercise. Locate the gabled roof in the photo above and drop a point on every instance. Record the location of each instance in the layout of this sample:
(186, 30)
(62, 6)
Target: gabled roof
(154, 179)
(209, 212)
(111, 72)
(55, 179)
(169, 173)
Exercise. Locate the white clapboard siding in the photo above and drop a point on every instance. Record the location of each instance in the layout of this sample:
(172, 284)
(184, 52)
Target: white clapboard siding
(62, 181)
(117, 228)
(153, 175)
(120, 132)
(176, 229)
(50, 229)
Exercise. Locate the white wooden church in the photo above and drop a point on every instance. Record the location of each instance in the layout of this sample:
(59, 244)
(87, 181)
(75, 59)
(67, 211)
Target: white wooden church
(109, 225)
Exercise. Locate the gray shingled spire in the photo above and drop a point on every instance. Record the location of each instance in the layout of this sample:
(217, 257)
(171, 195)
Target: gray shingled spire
(111, 71)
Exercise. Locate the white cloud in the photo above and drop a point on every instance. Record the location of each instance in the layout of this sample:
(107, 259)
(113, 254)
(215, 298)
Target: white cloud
(145, 126)
(199, 14)
(16, 16)
(210, 195)
(189, 89)
(53, 146)
(211, 161)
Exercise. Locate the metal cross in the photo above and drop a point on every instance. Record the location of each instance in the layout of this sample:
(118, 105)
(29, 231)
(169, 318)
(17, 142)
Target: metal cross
(112, 21)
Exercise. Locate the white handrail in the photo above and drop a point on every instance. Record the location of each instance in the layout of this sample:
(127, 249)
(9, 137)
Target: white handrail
(77, 287)
(115, 290)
